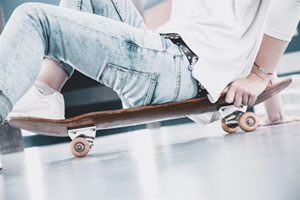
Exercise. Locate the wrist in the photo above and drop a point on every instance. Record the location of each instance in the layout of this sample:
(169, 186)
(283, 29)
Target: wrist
(275, 117)
(261, 78)
(263, 70)
(262, 74)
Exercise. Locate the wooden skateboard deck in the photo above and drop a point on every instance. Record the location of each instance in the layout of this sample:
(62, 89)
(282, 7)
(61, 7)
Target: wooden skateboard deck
(131, 116)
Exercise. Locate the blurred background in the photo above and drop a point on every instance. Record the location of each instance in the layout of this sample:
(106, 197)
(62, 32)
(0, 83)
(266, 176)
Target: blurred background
(84, 95)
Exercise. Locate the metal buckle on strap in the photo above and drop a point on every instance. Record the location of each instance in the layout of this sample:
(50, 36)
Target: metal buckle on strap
(194, 61)
(177, 40)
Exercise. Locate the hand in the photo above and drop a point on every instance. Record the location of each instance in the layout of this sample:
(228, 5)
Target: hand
(265, 121)
(246, 90)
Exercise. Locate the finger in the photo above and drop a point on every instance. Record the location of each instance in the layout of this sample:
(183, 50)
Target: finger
(238, 98)
(225, 90)
(252, 100)
(230, 95)
(245, 100)
(291, 119)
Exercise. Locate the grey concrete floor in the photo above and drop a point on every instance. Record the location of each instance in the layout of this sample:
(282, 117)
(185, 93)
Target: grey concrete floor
(170, 163)
(178, 162)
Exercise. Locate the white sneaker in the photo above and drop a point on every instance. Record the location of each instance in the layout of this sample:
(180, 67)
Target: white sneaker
(35, 104)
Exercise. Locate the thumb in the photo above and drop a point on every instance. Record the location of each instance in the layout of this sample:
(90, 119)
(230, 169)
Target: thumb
(225, 90)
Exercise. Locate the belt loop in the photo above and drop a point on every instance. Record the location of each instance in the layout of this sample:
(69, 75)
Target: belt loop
(177, 40)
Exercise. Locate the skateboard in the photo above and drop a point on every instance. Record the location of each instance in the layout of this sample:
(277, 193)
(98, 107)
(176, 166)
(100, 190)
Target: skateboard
(82, 129)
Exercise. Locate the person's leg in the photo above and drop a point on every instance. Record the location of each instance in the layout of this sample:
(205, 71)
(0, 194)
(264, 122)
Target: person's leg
(52, 74)
(43, 99)
(124, 11)
(138, 64)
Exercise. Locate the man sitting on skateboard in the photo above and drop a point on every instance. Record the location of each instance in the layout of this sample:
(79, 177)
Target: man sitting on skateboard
(204, 47)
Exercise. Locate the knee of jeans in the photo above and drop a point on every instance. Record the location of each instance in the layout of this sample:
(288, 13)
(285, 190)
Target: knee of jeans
(28, 11)
(26, 8)
(83, 5)
(72, 4)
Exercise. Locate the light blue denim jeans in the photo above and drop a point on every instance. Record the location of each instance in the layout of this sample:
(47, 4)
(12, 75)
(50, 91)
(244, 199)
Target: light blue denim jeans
(106, 40)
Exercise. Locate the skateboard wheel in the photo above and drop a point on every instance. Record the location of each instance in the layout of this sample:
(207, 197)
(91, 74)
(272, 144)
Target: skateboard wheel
(80, 147)
(248, 121)
(229, 129)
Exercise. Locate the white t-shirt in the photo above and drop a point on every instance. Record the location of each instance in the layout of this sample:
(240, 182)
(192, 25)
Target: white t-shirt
(225, 34)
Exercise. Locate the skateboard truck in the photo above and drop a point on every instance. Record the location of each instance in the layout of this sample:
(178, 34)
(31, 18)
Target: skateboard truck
(234, 118)
(82, 140)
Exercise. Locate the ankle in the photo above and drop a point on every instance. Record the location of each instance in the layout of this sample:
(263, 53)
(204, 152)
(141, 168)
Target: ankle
(45, 89)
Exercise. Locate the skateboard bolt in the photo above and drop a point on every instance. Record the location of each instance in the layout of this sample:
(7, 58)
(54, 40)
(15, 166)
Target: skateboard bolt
(79, 147)
(250, 121)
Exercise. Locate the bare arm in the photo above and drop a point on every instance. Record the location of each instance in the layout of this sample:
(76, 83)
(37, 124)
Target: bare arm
(274, 110)
(245, 91)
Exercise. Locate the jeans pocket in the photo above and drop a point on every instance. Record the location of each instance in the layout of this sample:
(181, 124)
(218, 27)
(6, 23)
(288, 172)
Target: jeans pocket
(135, 88)
(153, 41)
